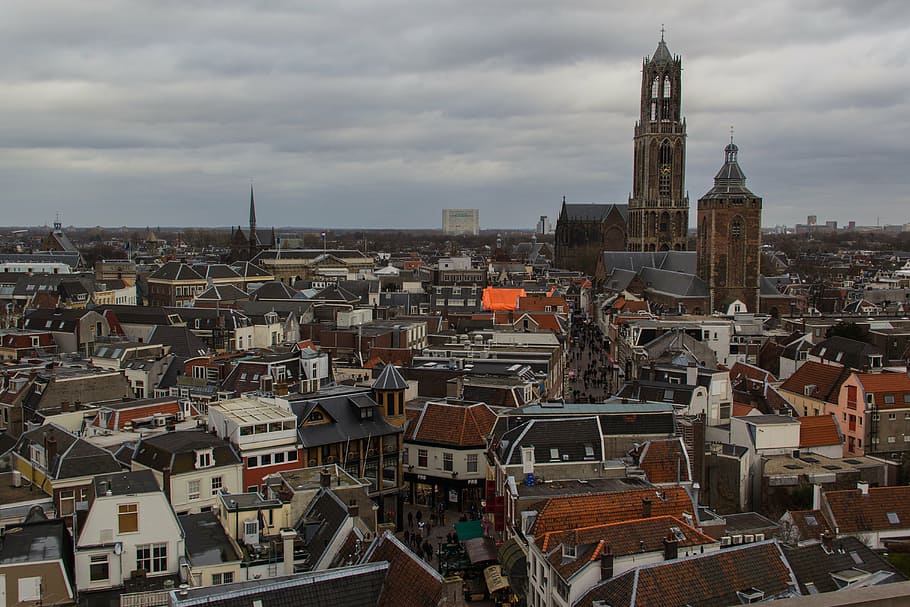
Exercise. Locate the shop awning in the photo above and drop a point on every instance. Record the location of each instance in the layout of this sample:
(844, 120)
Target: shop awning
(494, 578)
(480, 550)
(512, 556)
(468, 530)
(501, 300)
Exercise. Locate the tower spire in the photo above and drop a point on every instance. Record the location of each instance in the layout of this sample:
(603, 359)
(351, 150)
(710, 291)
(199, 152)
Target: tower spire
(254, 239)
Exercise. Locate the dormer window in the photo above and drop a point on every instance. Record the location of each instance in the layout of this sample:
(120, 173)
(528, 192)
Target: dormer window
(366, 413)
(204, 458)
(569, 551)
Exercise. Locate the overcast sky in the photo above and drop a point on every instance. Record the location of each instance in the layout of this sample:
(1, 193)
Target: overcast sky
(381, 114)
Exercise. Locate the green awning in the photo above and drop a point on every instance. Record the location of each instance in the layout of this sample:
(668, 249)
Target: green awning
(468, 530)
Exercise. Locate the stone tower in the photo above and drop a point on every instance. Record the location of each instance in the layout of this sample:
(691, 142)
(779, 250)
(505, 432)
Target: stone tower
(659, 206)
(729, 237)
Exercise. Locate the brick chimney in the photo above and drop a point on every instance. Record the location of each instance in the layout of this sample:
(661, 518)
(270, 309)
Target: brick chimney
(50, 449)
(671, 548)
(353, 509)
(645, 508)
(325, 478)
(606, 564)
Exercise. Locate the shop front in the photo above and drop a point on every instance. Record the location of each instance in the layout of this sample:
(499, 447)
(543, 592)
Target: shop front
(460, 495)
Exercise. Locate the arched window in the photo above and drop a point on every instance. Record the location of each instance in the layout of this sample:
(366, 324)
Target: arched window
(667, 88)
(665, 168)
(655, 87)
(736, 276)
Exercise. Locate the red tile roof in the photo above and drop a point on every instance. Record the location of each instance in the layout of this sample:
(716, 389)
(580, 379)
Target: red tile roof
(410, 581)
(818, 431)
(741, 409)
(884, 385)
(851, 512)
(447, 424)
(827, 380)
(665, 461)
(576, 512)
(810, 524)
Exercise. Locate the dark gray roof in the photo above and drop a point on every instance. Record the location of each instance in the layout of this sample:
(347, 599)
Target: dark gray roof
(813, 564)
(356, 586)
(730, 181)
(346, 421)
(566, 438)
(848, 352)
(182, 341)
(222, 293)
(321, 523)
(274, 289)
(206, 541)
(75, 457)
(249, 270)
(43, 540)
(126, 483)
(674, 283)
(177, 450)
(593, 211)
(390, 379)
(174, 270)
(677, 261)
(216, 270)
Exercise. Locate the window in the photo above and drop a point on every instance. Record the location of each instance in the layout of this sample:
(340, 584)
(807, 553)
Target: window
(890, 439)
(472, 462)
(222, 578)
(204, 459)
(889, 399)
(265, 460)
(252, 462)
(192, 490)
(128, 518)
(217, 484)
(405, 458)
(67, 502)
(892, 416)
(422, 458)
(448, 462)
(98, 568)
(554, 453)
(291, 456)
(29, 589)
(279, 457)
(251, 527)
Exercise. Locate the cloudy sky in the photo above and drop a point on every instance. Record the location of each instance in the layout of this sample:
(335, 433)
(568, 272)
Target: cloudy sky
(380, 114)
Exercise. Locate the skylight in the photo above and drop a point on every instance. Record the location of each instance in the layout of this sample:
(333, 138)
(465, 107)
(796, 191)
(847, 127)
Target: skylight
(893, 518)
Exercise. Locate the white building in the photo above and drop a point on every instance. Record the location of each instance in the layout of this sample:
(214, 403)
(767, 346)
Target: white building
(461, 221)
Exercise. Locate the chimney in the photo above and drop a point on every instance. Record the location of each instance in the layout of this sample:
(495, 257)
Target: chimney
(353, 509)
(325, 478)
(606, 565)
(452, 591)
(816, 496)
(691, 374)
(166, 481)
(287, 544)
(645, 508)
(671, 548)
(827, 539)
(863, 487)
(50, 448)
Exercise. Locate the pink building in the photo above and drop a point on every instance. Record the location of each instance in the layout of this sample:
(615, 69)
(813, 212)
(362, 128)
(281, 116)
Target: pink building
(873, 410)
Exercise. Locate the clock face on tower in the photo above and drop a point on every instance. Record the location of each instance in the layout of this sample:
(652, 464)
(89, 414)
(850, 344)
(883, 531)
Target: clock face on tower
(665, 169)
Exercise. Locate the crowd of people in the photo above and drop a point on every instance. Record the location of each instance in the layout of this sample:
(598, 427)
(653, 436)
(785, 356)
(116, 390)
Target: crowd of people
(588, 362)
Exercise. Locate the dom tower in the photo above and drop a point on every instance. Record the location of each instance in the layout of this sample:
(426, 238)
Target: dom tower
(659, 207)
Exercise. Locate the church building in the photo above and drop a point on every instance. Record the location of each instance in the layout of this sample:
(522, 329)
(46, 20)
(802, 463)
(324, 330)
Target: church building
(245, 248)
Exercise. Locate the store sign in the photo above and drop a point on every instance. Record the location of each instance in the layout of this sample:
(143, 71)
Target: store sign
(453, 495)
(421, 477)
(472, 481)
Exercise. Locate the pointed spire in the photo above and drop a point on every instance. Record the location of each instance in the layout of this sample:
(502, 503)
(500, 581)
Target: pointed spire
(390, 379)
(662, 54)
(252, 208)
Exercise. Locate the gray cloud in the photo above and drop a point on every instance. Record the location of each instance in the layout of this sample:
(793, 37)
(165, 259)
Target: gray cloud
(380, 114)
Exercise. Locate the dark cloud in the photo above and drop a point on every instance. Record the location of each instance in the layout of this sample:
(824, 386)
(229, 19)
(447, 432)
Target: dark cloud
(352, 113)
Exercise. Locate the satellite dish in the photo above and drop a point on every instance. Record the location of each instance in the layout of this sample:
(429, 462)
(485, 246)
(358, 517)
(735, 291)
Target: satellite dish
(118, 548)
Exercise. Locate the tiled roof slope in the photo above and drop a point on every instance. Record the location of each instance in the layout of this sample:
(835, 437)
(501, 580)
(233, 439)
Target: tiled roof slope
(810, 524)
(452, 425)
(576, 512)
(710, 580)
(818, 431)
(623, 538)
(850, 511)
(665, 461)
(390, 379)
(410, 580)
(881, 385)
(827, 380)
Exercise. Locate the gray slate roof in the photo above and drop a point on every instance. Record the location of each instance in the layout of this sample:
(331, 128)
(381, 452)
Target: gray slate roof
(676, 261)
(593, 211)
(390, 379)
(206, 541)
(675, 283)
(174, 270)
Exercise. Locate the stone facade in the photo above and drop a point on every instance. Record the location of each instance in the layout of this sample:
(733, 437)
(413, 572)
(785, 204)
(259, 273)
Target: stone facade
(659, 207)
(583, 231)
(729, 238)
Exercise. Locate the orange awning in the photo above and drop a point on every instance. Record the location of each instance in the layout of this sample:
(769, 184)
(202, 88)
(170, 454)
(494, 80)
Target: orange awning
(501, 300)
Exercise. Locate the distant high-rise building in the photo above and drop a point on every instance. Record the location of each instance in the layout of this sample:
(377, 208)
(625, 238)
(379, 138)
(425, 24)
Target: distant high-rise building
(543, 225)
(461, 221)
(659, 206)
(729, 238)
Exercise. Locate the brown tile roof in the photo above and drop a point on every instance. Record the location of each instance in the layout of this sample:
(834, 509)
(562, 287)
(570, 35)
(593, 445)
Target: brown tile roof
(818, 430)
(741, 371)
(895, 385)
(665, 461)
(623, 538)
(447, 424)
(850, 511)
(410, 581)
(827, 380)
(741, 409)
(709, 580)
(576, 512)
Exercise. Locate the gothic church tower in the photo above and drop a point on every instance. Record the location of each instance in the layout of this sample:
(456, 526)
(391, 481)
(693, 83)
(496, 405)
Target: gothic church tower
(728, 250)
(659, 206)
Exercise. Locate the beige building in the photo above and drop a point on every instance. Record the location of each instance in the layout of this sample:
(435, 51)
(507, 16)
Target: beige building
(461, 221)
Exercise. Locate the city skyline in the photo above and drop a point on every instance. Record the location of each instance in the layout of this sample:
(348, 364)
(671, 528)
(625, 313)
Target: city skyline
(130, 114)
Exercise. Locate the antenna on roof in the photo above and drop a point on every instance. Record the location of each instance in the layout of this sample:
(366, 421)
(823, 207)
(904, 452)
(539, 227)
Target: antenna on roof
(661, 32)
